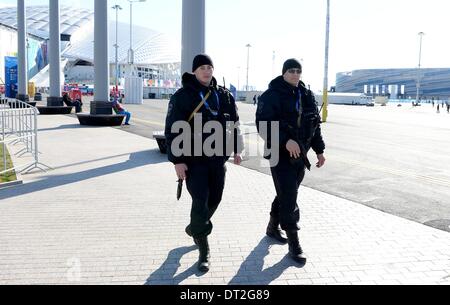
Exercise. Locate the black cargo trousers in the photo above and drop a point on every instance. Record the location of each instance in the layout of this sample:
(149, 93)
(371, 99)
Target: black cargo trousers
(205, 182)
(287, 178)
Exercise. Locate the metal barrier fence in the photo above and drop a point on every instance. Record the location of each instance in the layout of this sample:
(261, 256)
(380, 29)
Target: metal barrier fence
(18, 127)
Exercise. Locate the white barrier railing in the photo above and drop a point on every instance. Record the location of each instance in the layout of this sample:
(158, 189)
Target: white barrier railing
(18, 127)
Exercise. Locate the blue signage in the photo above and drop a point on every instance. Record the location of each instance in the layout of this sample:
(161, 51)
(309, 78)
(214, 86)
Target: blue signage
(10, 76)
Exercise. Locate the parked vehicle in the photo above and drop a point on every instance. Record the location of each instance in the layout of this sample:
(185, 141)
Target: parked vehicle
(345, 99)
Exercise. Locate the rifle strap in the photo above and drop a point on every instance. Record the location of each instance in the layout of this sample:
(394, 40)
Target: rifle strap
(199, 106)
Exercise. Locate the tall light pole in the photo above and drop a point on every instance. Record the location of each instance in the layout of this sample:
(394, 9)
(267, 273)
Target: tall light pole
(248, 63)
(130, 51)
(134, 89)
(22, 81)
(325, 78)
(418, 70)
(116, 46)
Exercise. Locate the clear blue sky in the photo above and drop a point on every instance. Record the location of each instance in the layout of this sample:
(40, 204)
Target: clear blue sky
(364, 34)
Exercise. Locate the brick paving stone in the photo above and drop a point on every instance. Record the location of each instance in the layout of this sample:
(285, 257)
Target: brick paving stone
(108, 215)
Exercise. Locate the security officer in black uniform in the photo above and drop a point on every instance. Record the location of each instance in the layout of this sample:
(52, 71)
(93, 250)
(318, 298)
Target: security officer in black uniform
(201, 97)
(293, 106)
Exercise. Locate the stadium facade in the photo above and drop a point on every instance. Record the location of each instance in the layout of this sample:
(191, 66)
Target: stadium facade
(398, 83)
(157, 57)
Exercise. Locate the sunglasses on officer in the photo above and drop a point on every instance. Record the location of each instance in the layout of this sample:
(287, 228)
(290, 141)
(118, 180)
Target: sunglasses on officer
(295, 71)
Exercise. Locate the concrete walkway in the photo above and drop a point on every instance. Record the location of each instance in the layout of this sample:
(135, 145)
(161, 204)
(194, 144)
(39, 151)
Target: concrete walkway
(107, 214)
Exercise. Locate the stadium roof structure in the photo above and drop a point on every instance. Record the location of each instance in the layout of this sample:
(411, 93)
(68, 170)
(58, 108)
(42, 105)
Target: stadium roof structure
(150, 47)
(77, 24)
(38, 19)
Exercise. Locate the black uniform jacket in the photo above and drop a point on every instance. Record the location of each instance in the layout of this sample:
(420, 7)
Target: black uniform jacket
(284, 103)
(220, 107)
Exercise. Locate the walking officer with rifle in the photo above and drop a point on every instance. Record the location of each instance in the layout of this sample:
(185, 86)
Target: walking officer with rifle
(291, 106)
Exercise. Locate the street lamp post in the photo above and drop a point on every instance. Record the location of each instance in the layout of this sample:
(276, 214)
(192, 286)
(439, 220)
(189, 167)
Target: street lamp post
(418, 70)
(116, 46)
(133, 82)
(22, 93)
(248, 63)
(325, 78)
(130, 51)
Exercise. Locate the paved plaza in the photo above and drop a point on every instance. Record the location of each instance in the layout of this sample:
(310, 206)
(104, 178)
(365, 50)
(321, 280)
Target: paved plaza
(107, 214)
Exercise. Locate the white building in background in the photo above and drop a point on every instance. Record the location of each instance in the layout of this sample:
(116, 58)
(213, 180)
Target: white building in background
(157, 56)
(396, 83)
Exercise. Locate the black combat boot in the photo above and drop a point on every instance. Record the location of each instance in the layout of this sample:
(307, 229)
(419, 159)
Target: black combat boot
(274, 231)
(203, 247)
(295, 251)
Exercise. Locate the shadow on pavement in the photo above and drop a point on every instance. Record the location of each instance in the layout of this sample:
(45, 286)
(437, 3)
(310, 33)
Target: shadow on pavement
(152, 153)
(251, 271)
(165, 275)
(138, 159)
(67, 126)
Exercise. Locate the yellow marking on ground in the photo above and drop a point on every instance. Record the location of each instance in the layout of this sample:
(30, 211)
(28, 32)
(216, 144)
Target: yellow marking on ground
(146, 122)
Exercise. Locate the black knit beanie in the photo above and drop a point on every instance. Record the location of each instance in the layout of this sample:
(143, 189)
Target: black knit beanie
(291, 64)
(200, 60)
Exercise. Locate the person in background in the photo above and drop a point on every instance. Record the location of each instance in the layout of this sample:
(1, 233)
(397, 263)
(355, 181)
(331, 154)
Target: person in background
(119, 109)
(68, 101)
